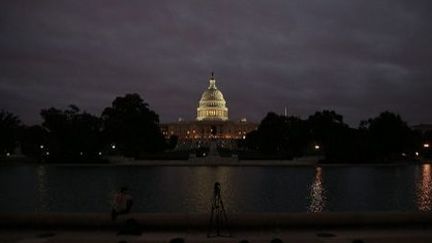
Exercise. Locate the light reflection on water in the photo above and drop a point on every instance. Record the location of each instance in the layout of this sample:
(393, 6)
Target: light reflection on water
(42, 189)
(424, 189)
(199, 191)
(317, 192)
(50, 188)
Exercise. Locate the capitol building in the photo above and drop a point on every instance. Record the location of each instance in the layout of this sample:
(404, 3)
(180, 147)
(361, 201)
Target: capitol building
(212, 120)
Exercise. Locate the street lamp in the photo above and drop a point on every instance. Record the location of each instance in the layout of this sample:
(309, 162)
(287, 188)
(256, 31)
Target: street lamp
(113, 146)
(317, 147)
(426, 145)
(41, 146)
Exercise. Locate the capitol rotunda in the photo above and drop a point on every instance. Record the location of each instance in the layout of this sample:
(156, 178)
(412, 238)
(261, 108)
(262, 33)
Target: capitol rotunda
(212, 106)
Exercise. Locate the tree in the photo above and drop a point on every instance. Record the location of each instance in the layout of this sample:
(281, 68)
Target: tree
(34, 140)
(172, 142)
(72, 134)
(279, 134)
(9, 129)
(132, 126)
(324, 125)
(426, 138)
(389, 135)
(335, 138)
(252, 140)
(272, 134)
(298, 135)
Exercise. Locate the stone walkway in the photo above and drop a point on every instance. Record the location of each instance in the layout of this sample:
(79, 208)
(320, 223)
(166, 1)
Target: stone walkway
(414, 235)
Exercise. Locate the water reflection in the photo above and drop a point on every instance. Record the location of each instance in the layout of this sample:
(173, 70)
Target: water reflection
(50, 188)
(42, 188)
(199, 192)
(317, 193)
(424, 189)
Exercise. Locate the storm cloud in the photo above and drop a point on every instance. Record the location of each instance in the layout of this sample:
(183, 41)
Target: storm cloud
(358, 57)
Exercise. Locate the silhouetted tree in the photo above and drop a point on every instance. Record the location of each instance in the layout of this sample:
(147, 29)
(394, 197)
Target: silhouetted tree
(337, 140)
(323, 126)
(279, 134)
(132, 126)
(34, 141)
(172, 142)
(427, 137)
(72, 134)
(389, 135)
(9, 129)
(298, 135)
(382, 137)
(252, 140)
(272, 134)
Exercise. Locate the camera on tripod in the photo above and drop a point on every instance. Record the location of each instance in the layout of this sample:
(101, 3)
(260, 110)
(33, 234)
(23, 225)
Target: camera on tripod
(218, 224)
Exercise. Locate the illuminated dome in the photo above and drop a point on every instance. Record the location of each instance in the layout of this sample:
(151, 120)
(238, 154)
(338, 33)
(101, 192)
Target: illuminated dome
(212, 105)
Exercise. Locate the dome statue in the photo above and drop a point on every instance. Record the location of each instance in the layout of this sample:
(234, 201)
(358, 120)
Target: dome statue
(212, 105)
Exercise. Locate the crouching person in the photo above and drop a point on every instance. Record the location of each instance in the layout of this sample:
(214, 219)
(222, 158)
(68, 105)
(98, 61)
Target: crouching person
(122, 203)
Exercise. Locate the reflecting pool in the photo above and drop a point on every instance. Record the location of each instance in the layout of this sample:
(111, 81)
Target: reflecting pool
(51, 188)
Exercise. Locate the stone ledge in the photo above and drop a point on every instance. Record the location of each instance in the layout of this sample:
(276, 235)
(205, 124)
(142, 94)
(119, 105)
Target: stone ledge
(199, 221)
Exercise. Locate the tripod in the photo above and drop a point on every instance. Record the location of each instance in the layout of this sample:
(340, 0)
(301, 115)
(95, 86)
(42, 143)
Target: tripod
(218, 219)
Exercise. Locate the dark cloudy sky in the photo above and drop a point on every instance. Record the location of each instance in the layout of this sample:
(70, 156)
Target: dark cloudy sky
(358, 57)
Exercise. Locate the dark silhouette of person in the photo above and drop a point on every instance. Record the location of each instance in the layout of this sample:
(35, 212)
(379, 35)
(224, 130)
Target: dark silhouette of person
(177, 240)
(122, 203)
(276, 240)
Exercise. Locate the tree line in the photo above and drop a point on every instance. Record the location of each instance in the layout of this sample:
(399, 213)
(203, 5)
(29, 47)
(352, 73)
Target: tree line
(383, 138)
(128, 127)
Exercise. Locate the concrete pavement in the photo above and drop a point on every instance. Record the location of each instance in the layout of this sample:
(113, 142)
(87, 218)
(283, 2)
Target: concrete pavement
(335, 235)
